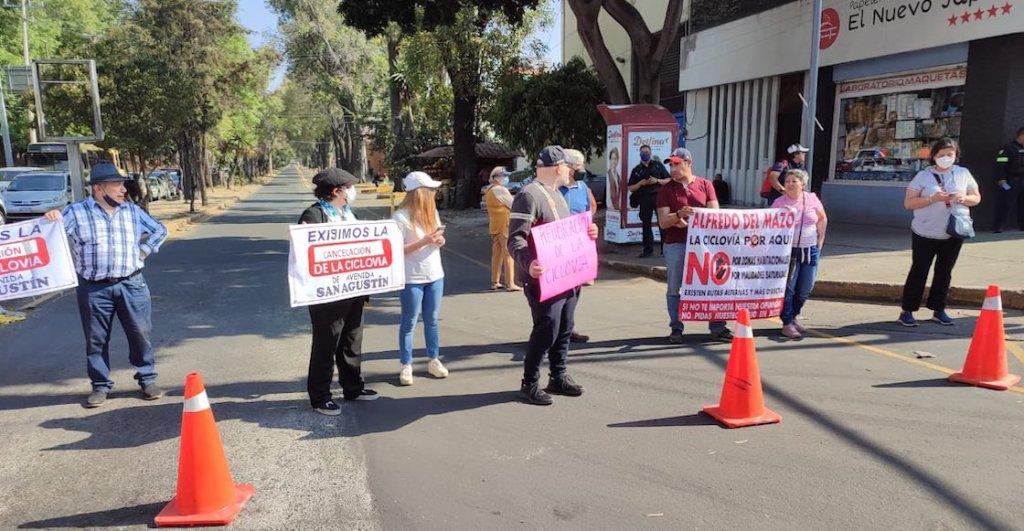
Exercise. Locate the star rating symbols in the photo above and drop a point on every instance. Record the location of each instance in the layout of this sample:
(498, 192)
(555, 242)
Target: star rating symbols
(993, 12)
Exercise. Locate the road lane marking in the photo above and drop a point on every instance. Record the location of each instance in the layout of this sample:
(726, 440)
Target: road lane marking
(901, 357)
(1016, 350)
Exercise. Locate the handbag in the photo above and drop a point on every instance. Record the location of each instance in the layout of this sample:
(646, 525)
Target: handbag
(958, 225)
(634, 200)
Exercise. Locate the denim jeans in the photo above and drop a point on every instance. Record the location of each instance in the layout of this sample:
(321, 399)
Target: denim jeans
(416, 298)
(98, 303)
(675, 259)
(799, 284)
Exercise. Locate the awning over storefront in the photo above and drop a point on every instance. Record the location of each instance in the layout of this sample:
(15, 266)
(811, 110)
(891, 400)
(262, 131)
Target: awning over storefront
(484, 150)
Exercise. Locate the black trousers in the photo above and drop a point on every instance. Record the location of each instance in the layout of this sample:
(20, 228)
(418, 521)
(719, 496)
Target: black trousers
(1004, 201)
(648, 211)
(926, 250)
(337, 339)
(553, 323)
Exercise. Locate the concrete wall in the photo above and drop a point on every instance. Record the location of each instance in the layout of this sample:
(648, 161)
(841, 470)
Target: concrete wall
(866, 204)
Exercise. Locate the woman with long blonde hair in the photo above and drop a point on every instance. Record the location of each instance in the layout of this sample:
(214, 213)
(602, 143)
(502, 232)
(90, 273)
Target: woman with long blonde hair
(424, 276)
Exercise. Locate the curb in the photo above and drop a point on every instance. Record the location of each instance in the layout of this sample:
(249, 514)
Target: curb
(180, 224)
(857, 291)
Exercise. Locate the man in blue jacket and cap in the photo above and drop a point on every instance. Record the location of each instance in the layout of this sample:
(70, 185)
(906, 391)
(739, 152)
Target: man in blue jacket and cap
(109, 239)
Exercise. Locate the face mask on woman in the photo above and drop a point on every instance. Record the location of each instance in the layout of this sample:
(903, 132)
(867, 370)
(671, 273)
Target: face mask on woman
(504, 181)
(350, 194)
(945, 162)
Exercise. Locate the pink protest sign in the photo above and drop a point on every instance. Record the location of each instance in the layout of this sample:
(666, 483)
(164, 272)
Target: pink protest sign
(567, 254)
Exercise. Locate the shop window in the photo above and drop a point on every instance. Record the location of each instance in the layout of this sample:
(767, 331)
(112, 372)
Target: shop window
(887, 137)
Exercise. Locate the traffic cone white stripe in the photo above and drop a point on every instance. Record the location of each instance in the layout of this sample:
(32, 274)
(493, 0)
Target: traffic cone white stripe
(993, 303)
(197, 403)
(744, 331)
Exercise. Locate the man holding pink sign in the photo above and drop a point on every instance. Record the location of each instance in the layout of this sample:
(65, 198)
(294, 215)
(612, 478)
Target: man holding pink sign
(551, 263)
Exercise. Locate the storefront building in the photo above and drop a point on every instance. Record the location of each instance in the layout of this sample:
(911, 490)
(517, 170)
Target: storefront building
(896, 75)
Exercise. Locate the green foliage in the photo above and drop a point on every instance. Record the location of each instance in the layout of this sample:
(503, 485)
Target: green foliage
(556, 107)
(373, 16)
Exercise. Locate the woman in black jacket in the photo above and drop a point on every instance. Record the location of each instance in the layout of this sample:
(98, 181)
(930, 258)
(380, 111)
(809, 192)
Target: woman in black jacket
(338, 325)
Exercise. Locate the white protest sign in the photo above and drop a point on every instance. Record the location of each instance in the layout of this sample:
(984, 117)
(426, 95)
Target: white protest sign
(335, 261)
(34, 259)
(735, 259)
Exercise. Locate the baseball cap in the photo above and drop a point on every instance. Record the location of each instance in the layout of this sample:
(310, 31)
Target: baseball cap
(674, 160)
(574, 157)
(335, 177)
(102, 173)
(551, 156)
(797, 148)
(418, 179)
(682, 153)
(499, 171)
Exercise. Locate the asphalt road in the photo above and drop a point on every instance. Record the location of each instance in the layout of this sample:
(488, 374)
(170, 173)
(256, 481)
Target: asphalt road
(871, 437)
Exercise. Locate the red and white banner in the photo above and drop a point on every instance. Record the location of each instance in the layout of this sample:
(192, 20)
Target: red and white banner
(34, 259)
(735, 259)
(334, 261)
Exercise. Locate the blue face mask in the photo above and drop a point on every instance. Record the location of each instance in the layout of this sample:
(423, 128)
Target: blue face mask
(644, 156)
(504, 181)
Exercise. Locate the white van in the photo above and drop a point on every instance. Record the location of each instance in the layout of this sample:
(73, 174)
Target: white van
(9, 173)
(37, 192)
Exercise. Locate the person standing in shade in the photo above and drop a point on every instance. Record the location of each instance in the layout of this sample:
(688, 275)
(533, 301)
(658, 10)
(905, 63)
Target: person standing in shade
(499, 205)
(337, 325)
(777, 175)
(676, 201)
(722, 190)
(423, 234)
(644, 182)
(538, 203)
(1010, 183)
(580, 199)
(934, 194)
(110, 238)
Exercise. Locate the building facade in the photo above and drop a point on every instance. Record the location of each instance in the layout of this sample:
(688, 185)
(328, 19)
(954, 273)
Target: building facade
(895, 76)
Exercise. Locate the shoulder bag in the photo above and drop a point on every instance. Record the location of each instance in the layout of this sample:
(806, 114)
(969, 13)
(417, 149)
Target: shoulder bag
(958, 225)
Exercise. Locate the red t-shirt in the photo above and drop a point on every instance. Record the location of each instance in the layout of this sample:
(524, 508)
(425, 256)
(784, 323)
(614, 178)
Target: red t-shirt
(676, 195)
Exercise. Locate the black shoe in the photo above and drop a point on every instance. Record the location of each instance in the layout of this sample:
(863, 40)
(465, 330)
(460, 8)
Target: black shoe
(96, 399)
(364, 395)
(151, 391)
(578, 338)
(725, 336)
(329, 408)
(676, 337)
(534, 395)
(564, 386)
(645, 254)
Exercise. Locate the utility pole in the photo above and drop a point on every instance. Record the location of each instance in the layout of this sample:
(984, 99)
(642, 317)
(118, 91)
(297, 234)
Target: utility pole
(812, 103)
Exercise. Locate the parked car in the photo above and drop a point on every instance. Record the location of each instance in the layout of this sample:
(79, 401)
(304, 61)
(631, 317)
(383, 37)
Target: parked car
(37, 192)
(175, 176)
(9, 173)
(157, 186)
(598, 184)
(173, 192)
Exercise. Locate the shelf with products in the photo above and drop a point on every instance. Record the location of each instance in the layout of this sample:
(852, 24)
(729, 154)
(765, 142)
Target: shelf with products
(887, 137)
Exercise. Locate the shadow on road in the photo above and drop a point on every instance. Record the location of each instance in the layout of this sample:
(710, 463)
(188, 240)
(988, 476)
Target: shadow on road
(696, 419)
(389, 414)
(125, 516)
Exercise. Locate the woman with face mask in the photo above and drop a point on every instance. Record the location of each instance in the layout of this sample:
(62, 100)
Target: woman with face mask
(338, 325)
(934, 194)
(499, 206)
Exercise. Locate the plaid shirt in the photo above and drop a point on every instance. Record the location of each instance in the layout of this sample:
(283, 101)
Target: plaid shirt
(110, 245)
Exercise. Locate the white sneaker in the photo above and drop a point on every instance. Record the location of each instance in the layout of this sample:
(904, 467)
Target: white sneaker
(436, 369)
(405, 377)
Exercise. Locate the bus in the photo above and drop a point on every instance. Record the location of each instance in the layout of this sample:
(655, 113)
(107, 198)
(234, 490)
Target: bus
(54, 156)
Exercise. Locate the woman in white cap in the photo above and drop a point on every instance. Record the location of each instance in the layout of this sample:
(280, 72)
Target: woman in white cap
(424, 277)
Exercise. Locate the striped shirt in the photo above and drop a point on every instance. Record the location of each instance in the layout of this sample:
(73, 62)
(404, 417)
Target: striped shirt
(110, 245)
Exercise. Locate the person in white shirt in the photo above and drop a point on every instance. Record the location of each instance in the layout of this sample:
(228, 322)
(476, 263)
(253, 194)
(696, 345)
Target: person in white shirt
(934, 194)
(424, 276)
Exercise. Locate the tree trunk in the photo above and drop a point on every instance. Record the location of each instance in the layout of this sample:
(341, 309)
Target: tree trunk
(587, 12)
(143, 184)
(649, 51)
(466, 189)
(394, 87)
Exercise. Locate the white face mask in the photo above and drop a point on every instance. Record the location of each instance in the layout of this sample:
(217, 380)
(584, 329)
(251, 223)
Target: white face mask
(350, 194)
(945, 162)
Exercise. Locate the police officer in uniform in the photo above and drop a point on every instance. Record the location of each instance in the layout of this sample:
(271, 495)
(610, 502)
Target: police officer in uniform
(1010, 175)
(644, 182)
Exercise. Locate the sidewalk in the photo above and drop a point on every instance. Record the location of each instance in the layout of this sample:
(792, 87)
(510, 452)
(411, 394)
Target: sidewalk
(863, 262)
(175, 216)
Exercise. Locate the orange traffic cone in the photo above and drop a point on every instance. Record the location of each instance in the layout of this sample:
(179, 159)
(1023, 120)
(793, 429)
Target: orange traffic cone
(206, 493)
(742, 402)
(986, 358)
